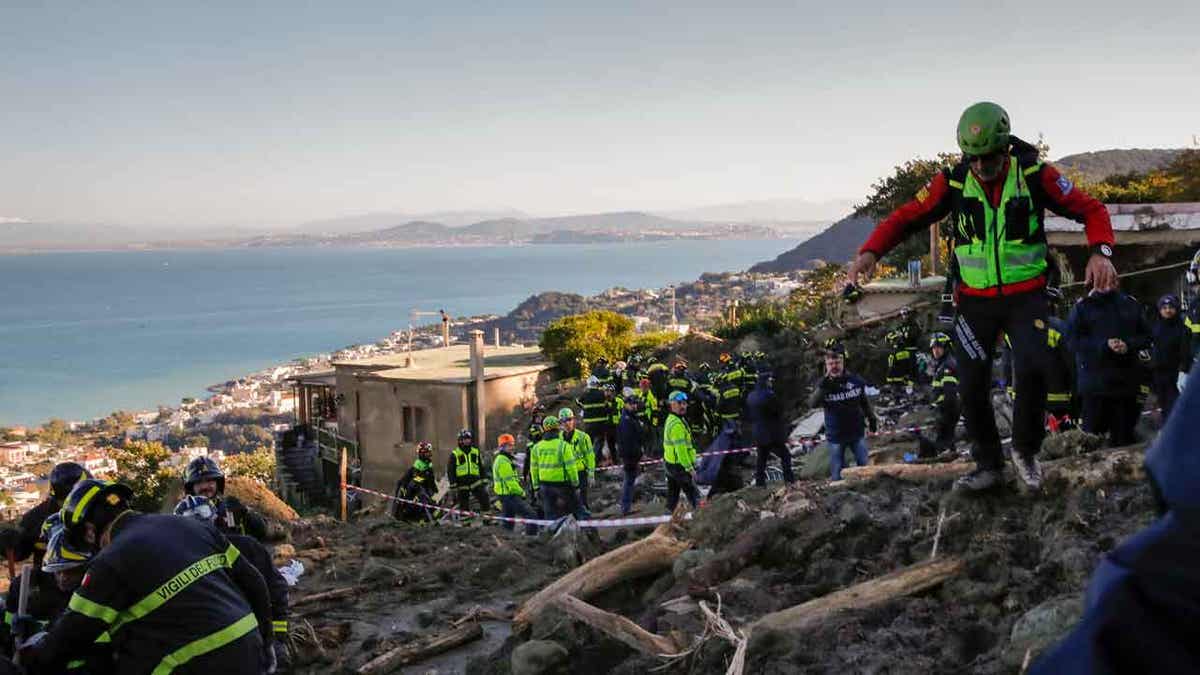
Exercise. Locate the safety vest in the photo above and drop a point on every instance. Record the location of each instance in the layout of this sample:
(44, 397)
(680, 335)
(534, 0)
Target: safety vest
(581, 448)
(504, 477)
(466, 464)
(618, 406)
(553, 461)
(997, 246)
(680, 383)
(649, 409)
(677, 443)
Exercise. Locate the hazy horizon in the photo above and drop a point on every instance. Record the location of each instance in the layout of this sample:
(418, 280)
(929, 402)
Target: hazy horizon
(275, 115)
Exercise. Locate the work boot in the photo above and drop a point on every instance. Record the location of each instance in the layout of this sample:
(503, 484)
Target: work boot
(1028, 469)
(979, 480)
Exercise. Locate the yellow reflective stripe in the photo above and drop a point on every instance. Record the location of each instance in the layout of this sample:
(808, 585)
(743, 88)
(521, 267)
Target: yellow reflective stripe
(206, 644)
(1033, 169)
(76, 664)
(280, 626)
(1058, 397)
(955, 184)
(949, 378)
(92, 610)
(104, 638)
(176, 585)
(83, 501)
(8, 618)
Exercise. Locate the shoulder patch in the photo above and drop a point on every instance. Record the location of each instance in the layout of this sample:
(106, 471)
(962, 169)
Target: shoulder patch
(1064, 185)
(923, 194)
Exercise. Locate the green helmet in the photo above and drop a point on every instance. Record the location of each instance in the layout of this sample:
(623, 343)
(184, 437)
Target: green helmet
(983, 128)
(550, 423)
(566, 414)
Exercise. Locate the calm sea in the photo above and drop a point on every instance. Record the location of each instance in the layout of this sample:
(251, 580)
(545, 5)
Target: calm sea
(83, 334)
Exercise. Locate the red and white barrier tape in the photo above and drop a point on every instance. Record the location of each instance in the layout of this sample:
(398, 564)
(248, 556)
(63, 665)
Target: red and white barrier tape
(615, 522)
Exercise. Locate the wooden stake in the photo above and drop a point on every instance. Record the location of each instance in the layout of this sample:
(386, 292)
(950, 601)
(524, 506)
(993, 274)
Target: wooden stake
(328, 595)
(908, 581)
(919, 472)
(419, 651)
(342, 474)
(618, 627)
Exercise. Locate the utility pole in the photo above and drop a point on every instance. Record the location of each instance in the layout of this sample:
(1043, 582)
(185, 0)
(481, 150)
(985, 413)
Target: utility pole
(674, 318)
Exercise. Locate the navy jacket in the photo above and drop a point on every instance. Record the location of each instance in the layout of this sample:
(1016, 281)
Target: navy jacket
(1143, 603)
(765, 414)
(1172, 346)
(1095, 319)
(630, 436)
(846, 405)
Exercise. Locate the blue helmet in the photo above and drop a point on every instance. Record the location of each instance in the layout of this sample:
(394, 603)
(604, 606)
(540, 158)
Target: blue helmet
(677, 396)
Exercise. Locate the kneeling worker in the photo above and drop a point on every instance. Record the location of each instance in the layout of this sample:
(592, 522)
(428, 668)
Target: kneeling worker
(173, 593)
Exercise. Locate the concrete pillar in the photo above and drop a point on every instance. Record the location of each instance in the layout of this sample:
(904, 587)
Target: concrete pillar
(496, 335)
(478, 379)
(445, 329)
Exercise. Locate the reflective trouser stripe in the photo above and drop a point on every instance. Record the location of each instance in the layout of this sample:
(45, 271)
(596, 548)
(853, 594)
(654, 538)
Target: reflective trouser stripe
(206, 644)
(280, 626)
(1058, 397)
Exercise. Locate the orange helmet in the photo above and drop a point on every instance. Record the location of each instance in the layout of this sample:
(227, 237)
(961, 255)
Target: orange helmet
(505, 439)
(725, 357)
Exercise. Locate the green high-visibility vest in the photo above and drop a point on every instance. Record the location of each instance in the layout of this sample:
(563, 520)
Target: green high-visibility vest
(466, 464)
(504, 477)
(677, 443)
(1002, 245)
(553, 461)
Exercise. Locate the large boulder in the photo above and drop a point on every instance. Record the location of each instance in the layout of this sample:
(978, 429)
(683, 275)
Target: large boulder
(1042, 627)
(540, 657)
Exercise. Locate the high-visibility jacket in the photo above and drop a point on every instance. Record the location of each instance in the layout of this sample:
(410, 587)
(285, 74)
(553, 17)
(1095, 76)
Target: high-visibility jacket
(649, 411)
(464, 468)
(552, 462)
(678, 447)
(595, 406)
(618, 406)
(504, 476)
(581, 448)
(170, 593)
(1003, 245)
(679, 382)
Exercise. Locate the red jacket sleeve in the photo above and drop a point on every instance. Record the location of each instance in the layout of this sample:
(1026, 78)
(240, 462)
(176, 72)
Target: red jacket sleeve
(1068, 201)
(931, 205)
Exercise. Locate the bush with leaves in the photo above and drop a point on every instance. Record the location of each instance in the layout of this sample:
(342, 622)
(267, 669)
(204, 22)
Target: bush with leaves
(648, 343)
(575, 342)
(259, 465)
(142, 465)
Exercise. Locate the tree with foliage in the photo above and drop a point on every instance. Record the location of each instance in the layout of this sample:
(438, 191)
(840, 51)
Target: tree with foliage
(142, 465)
(648, 343)
(575, 342)
(259, 465)
(56, 433)
(1179, 181)
(116, 423)
(892, 192)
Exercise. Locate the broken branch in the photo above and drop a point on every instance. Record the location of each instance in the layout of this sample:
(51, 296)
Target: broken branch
(415, 653)
(920, 472)
(617, 627)
(335, 594)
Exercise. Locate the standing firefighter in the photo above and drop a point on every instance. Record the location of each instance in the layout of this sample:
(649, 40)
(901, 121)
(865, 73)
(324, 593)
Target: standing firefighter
(417, 485)
(945, 396)
(996, 199)
(581, 449)
(597, 413)
(203, 477)
(507, 485)
(553, 472)
(173, 594)
(466, 477)
(679, 453)
(902, 362)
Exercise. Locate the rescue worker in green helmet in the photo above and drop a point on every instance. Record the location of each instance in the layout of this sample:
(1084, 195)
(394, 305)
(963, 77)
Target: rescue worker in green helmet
(996, 199)
(203, 477)
(173, 593)
(553, 472)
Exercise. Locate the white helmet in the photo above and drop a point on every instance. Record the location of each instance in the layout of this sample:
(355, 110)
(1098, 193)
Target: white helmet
(593, 381)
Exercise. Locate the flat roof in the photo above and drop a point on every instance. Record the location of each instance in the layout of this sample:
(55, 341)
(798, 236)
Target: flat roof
(449, 364)
(322, 378)
(1138, 217)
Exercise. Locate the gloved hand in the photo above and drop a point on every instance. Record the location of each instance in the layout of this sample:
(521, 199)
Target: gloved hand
(283, 656)
(269, 663)
(10, 539)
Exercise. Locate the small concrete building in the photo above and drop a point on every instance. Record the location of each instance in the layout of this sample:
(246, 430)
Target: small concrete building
(389, 404)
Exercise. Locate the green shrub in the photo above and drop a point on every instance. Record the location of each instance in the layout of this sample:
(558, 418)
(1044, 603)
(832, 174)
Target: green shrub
(575, 342)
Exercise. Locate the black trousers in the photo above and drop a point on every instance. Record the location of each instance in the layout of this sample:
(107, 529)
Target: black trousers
(785, 459)
(1116, 416)
(977, 328)
(1166, 390)
(680, 480)
(463, 497)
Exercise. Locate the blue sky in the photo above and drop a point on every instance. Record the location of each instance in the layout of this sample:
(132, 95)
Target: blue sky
(183, 114)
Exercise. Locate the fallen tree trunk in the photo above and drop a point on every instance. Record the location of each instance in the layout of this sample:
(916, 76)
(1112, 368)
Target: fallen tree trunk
(908, 581)
(636, 559)
(618, 627)
(750, 545)
(1120, 465)
(335, 594)
(415, 653)
(919, 472)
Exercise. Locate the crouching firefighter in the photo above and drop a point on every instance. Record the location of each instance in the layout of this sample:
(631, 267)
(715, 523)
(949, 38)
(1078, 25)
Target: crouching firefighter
(203, 477)
(418, 485)
(173, 594)
(202, 509)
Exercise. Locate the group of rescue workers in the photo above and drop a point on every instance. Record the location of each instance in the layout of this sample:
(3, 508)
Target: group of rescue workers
(629, 411)
(112, 590)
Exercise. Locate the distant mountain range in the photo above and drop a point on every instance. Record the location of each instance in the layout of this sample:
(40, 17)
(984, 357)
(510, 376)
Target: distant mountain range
(1098, 165)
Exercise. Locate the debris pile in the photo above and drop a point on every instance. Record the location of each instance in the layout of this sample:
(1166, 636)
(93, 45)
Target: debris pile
(887, 571)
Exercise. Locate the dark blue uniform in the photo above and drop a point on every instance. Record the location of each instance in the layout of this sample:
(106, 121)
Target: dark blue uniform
(1109, 382)
(1143, 604)
(768, 431)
